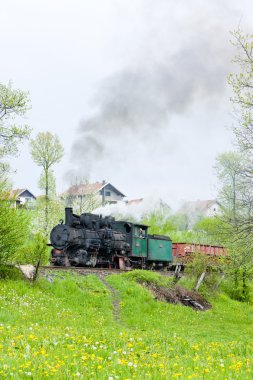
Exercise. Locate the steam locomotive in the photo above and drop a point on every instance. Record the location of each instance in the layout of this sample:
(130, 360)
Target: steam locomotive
(94, 241)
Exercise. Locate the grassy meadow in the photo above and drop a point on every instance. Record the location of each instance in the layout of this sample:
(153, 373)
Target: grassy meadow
(68, 326)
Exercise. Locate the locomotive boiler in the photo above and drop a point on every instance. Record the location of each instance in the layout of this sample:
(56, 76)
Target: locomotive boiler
(87, 240)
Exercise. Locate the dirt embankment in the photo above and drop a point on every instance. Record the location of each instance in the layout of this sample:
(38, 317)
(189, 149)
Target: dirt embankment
(179, 295)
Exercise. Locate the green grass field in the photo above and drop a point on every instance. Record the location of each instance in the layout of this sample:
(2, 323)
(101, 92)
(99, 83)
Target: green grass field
(76, 327)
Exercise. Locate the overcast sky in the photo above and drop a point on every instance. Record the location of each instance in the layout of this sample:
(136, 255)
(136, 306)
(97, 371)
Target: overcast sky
(136, 90)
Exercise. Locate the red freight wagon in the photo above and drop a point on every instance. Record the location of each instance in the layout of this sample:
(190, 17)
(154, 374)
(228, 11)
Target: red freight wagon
(184, 249)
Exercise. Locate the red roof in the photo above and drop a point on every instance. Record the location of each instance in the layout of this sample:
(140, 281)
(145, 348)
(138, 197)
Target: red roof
(88, 188)
(15, 193)
(83, 189)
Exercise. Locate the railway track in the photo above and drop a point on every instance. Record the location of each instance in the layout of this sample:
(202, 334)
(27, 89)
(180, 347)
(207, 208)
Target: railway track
(101, 272)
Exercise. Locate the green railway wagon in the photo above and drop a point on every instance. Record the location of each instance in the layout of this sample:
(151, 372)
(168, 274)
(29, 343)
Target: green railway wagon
(159, 248)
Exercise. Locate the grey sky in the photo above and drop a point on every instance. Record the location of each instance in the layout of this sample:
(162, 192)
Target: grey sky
(136, 90)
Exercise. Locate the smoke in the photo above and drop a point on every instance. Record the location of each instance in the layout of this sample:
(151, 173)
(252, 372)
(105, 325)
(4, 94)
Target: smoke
(168, 77)
(135, 211)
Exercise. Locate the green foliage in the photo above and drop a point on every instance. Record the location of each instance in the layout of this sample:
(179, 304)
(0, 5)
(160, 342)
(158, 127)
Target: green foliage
(46, 150)
(51, 184)
(149, 277)
(33, 250)
(159, 222)
(213, 230)
(55, 209)
(176, 226)
(236, 290)
(13, 103)
(181, 221)
(10, 272)
(242, 85)
(14, 228)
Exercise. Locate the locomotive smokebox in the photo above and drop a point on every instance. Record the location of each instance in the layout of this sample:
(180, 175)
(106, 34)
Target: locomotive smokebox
(60, 236)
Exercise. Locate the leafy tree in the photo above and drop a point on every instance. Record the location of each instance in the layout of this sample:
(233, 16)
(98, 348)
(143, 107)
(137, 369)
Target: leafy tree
(14, 226)
(50, 183)
(34, 249)
(242, 86)
(230, 169)
(13, 103)
(46, 150)
(181, 221)
(213, 231)
(159, 222)
(235, 170)
(236, 221)
(55, 208)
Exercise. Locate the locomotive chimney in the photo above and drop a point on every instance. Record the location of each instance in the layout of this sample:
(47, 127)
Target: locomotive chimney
(68, 216)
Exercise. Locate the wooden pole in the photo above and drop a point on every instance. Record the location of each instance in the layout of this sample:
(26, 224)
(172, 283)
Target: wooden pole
(36, 270)
(200, 280)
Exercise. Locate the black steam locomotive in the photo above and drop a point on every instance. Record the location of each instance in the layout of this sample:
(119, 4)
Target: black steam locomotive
(95, 241)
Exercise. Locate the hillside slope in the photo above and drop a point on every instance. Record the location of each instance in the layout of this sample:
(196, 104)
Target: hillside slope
(70, 326)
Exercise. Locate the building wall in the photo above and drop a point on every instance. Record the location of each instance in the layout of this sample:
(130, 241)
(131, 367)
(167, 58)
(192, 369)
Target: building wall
(24, 200)
(113, 197)
(213, 210)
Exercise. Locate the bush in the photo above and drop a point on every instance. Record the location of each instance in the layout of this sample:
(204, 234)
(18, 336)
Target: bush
(14, 228)
(10, 272)
(34, 250)
(238, 293)
(149, 277)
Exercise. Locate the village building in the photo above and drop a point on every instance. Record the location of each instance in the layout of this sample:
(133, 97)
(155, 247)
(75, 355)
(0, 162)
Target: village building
(104, 191)
(206, 208)
(22, 197)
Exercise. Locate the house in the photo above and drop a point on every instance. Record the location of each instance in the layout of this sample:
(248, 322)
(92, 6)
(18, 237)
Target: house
(207, 208)
(21, 197)
(104, 191)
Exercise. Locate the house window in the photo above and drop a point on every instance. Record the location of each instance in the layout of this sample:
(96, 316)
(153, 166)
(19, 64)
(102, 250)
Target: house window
(107, 193)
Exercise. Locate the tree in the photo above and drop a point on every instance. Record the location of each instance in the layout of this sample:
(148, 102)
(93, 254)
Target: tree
(13, 103)
(242, 86)
(55, 213)
(46, 150)
(14, 226)
(51, 184)
(230, 169)
(236, 221)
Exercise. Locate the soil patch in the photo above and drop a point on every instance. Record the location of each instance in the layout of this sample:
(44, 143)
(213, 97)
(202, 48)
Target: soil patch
(179, 295)
(115, 300)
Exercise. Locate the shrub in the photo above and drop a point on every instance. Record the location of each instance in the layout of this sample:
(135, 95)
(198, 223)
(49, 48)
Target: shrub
(14, 228)
(9, 272)
(34, 250)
